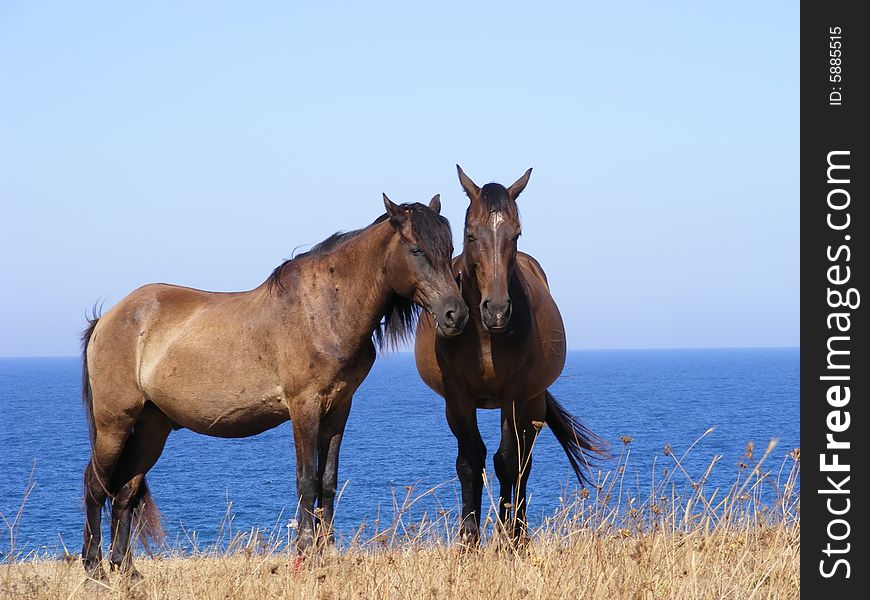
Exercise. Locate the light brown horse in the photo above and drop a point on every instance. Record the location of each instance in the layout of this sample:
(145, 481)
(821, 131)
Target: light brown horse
(236, 364)
(507, 357)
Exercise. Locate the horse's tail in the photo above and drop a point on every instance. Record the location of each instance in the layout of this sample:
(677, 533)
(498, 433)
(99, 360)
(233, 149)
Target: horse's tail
(146, 517)
(578, 441)
(87, 396)
(92, 480)
(147, 520)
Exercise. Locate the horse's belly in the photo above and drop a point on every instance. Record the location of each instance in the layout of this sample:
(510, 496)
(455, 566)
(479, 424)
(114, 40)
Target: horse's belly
(215, 386)
(488, 402)
(218, 402)
(229, 417)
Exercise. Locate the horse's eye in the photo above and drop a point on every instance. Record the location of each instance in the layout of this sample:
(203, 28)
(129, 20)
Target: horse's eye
(416, 251)
(471, 238)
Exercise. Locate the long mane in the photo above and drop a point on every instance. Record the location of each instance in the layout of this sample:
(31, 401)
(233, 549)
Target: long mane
(320, 249)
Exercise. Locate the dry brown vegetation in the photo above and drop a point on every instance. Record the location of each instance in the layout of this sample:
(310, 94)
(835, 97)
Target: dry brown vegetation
(679, 541)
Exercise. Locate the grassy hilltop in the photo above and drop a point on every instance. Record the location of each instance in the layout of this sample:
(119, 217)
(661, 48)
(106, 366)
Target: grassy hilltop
(681, 541)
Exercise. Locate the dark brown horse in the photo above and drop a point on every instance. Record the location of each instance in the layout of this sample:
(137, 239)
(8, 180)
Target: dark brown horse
(507, 357)
(236, 364)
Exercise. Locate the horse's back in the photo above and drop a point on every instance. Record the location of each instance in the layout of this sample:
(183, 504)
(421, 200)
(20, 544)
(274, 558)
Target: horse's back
(199, 356)
(532, 268)
(115, 347)
(142, 313)
(117, 335)
(548, 356)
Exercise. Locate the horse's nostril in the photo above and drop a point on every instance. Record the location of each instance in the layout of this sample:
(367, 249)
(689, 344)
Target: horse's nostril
(450, 317)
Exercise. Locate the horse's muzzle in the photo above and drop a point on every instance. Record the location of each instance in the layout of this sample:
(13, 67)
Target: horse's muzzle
(451, 318)
(495, 316)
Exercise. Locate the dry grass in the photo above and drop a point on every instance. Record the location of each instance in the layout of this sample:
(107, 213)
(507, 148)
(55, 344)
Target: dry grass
(681, 541)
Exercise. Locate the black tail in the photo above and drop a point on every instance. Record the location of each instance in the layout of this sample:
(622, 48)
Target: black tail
(147, 520)
(579, 443)
(91, 477)
(87, 397)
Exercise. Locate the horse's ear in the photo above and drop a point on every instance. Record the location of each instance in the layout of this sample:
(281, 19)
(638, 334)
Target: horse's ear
(519, 185)
(471, 189)
(435, 203)
(394, 211)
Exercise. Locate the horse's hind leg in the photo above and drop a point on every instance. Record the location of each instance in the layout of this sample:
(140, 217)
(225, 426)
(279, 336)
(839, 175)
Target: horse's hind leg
(141, 452)
(108, 444)
(96, 493)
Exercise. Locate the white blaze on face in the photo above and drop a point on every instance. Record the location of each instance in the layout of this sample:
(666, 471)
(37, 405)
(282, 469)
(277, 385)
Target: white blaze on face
(495, 219)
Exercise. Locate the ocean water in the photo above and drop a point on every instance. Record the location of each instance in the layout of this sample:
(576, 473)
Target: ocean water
(396, 436)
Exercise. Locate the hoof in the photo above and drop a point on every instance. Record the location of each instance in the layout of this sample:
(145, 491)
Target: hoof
(95, 570)
(98, 574)
(128, 572)
(523, 540)
(469, 538)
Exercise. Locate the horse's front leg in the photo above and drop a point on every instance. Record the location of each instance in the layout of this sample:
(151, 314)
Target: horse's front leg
(529, 423)
(521, 421)
(506, 462)
(462, 418)
(528, 434)
(329, 445)
(306, 429)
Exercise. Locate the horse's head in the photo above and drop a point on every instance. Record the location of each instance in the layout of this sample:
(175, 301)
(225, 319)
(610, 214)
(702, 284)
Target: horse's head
(492, 227)
(420, 267)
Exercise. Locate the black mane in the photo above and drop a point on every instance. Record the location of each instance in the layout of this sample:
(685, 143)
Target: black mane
(319, 249)
(432, 232)
(434, 238)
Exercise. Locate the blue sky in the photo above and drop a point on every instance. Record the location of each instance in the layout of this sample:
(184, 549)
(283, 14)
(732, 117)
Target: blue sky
(199, 143)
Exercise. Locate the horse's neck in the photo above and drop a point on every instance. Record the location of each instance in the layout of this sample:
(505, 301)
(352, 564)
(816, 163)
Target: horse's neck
(354, 276)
